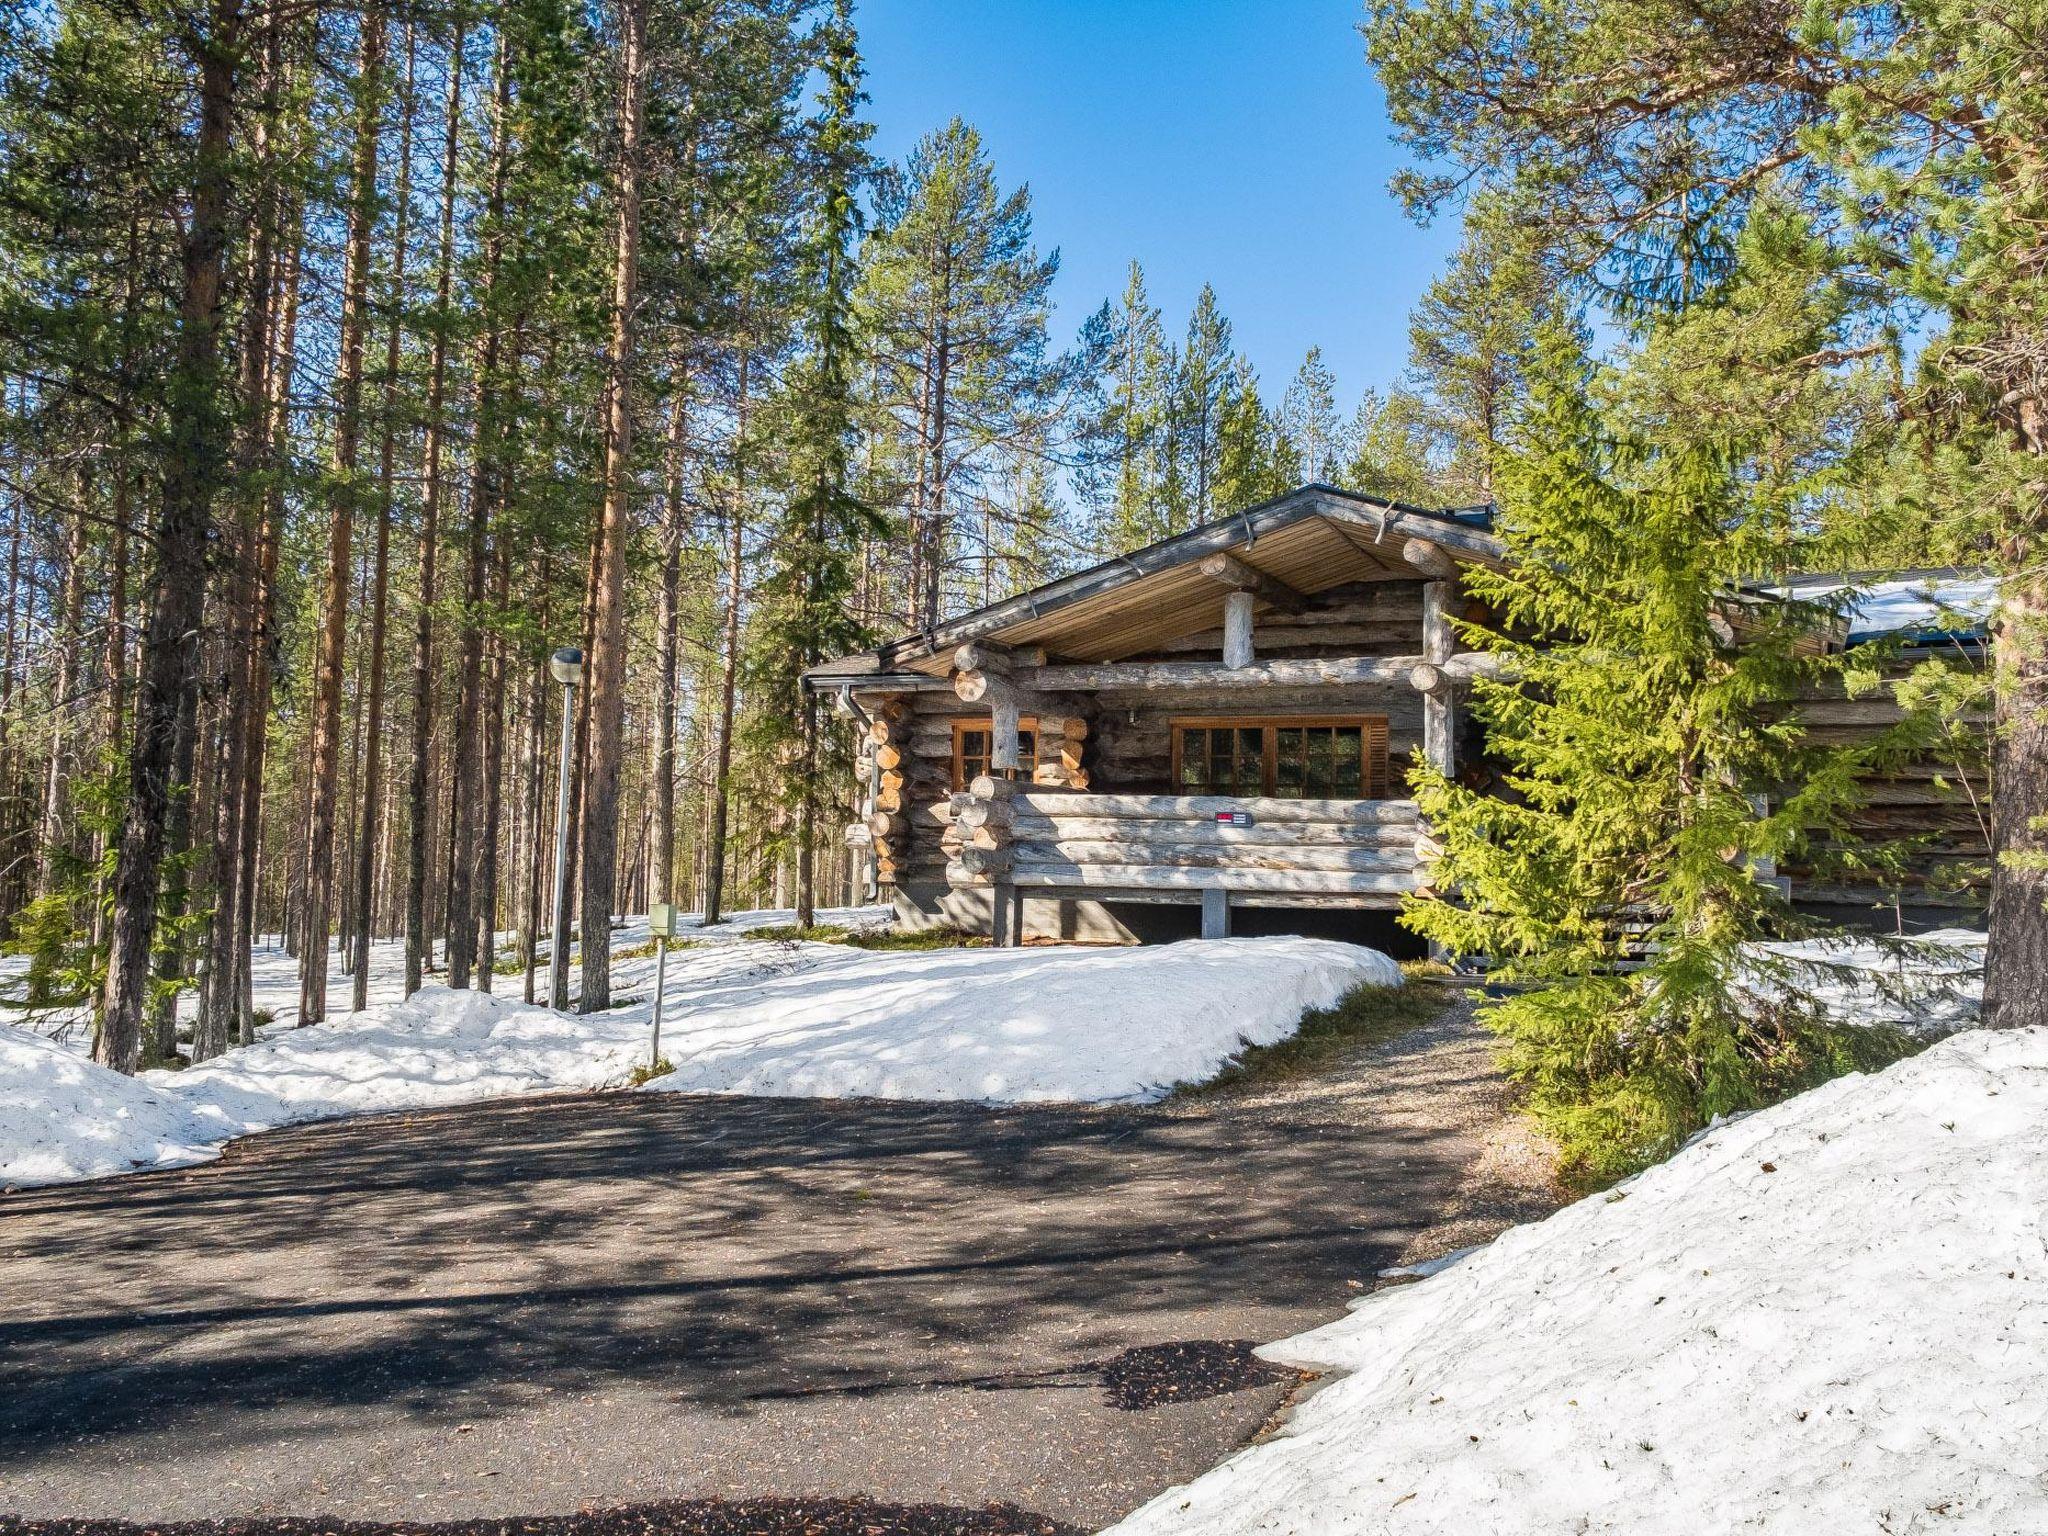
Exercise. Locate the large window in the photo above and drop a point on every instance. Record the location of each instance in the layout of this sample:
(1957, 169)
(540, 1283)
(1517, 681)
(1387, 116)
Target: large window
(1294, 758)
(974, 742)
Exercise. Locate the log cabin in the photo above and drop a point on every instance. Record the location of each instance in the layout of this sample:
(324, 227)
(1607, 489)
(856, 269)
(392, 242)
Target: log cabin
(1210, 734)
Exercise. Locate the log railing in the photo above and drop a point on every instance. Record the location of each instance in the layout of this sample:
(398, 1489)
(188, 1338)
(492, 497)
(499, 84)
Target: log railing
(1003, 833)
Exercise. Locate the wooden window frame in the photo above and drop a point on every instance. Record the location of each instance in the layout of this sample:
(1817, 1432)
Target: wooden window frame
(1372, 730)
(962, 724)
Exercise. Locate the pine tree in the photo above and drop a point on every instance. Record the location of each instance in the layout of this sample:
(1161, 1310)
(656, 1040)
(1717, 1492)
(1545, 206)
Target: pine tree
(1309, 414)
(1468, 338)
(193, 459)
(955, 297)
(1201, 377)
(1122, 430)
(807, 595)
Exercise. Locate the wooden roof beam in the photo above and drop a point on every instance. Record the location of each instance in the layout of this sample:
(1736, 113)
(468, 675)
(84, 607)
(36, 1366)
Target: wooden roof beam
(1430, 558)
(1227, 570)
(1329, 672)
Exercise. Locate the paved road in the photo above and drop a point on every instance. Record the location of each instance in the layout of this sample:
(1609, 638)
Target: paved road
(539, 1305)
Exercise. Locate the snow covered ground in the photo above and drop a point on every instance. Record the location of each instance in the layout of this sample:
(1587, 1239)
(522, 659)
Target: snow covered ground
(1831, 1315)
(274, 978)
(1931, 984)
(740, 1016)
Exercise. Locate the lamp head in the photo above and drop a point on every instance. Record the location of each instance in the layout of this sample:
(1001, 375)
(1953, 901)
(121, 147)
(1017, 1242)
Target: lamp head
(566, 666)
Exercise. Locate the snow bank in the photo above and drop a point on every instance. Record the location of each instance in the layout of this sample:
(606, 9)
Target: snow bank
(63, 1118)
(792, 1019)
(1931, 984)
(1002, 1025)
(1829, 1315)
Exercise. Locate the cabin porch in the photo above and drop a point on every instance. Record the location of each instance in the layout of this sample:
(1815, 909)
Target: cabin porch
(1208, 851)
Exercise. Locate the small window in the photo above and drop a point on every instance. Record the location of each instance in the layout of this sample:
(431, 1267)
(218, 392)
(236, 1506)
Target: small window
(974, 744)
(1291, 759)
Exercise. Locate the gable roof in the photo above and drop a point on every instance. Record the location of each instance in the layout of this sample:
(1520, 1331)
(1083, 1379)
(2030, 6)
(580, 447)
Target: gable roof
(1310, 540)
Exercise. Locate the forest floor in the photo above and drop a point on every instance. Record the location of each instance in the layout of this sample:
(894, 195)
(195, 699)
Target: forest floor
(579, 1303)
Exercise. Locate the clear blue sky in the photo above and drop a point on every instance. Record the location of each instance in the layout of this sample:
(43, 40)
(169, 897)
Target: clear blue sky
(1239, 142)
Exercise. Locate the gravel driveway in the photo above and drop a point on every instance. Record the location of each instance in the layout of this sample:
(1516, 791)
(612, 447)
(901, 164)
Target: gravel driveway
(542, 1305)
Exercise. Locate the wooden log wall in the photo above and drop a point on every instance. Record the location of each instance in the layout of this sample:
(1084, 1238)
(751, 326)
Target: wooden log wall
(918, 799)
(1174, 842)
(977, 840)
(1940, 803)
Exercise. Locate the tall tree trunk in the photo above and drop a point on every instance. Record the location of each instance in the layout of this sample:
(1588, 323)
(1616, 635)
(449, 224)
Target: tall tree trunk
(116, 654)
(608, 649)
(56, 832)
(419, 796)
(329, 666)
(192, 463)
(170, 945)
(2016, 961)
(807, 818)
(14, 850)
(485, 487)
(347, 800)
(667, 627)
(579, 753)
(935, 513)
(728, 661)
(493, 709)
(538, 837)
(380, 560)
(263, 654)
(233, 837)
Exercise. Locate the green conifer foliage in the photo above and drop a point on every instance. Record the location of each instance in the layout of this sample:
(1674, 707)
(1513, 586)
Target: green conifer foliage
(1649, 770)
(807, 611)
(1249, 465)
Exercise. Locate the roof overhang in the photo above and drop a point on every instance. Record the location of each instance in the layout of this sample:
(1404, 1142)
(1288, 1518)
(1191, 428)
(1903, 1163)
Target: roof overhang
(1305, 542)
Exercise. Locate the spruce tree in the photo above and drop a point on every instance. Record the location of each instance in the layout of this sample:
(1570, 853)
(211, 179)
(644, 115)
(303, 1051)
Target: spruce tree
(1468, 338)
(1911, 135)
(1647, 760)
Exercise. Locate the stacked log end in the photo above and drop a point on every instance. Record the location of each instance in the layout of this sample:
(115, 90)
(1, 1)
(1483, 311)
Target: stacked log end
(1062, 748)
(978, 836)
(888, 822)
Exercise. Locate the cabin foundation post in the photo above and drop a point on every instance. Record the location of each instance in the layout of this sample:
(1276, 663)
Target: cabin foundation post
(1215, 912)
(1006, 915)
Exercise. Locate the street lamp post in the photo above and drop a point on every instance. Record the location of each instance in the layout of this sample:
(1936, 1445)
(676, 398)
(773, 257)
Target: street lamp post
(566, 667)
